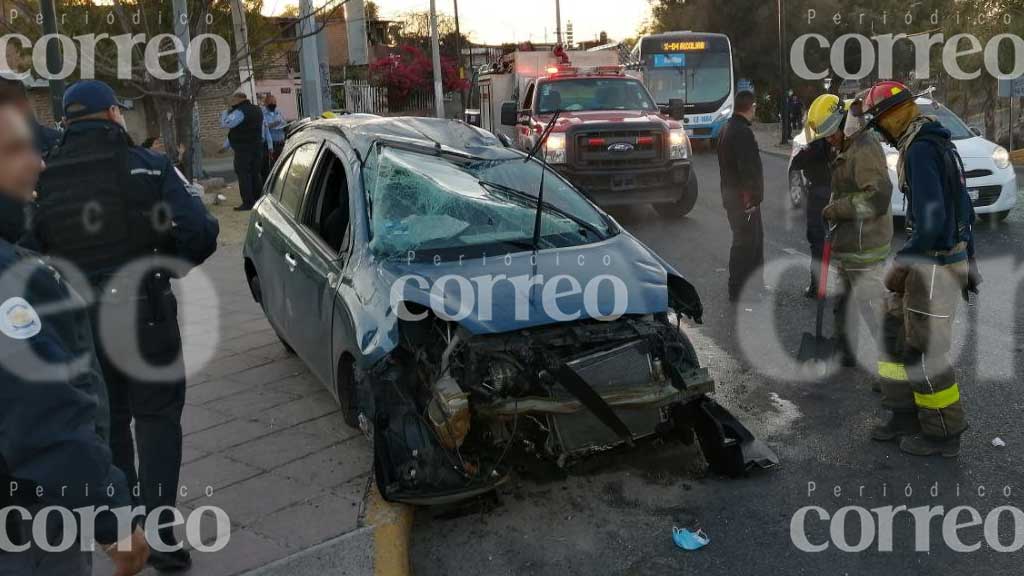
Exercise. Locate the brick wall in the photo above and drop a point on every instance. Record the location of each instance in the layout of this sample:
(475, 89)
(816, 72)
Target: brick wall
(212, 135)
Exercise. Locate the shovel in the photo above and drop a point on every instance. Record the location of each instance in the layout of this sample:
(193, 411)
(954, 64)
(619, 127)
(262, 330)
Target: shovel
(815, 347)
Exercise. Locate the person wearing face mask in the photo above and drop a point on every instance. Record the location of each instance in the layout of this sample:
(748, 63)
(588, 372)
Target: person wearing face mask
(934, 269)
(859, 216)
(106, 210)
(275, 122)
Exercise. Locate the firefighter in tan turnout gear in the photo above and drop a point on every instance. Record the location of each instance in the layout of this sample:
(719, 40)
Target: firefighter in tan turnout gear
(933, 270)
(858, 212)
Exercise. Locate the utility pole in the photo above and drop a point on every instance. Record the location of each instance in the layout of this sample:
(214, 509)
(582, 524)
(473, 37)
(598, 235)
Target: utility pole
(309, 51)
(247, 79)
(783, 76)
(185, 85)
(438, 80)
(458, 59)
(558, 21)
(54, 59)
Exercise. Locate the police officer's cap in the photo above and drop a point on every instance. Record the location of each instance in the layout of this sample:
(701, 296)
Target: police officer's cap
(89, 97)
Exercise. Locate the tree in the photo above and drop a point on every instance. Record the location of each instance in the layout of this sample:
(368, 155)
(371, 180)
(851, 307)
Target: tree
(411, 70)
(170, 102)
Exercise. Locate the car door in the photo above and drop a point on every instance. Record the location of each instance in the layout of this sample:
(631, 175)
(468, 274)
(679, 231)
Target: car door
(266, 248)
(278, 217)
(320, 255)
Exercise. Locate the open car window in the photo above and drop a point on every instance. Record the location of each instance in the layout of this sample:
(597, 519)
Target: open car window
(423, 203)
(326, 211)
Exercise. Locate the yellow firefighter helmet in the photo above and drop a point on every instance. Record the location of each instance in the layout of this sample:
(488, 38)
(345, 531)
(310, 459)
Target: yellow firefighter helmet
(824, 117)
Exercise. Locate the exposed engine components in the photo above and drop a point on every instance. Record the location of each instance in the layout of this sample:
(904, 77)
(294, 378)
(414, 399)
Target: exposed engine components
(448, 412)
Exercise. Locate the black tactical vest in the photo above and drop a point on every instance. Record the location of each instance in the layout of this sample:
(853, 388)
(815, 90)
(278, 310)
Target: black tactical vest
(92, 210)
(249, 134)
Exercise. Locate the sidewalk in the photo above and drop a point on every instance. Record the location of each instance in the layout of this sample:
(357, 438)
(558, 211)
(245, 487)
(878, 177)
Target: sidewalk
(266, 439)
(768, 140)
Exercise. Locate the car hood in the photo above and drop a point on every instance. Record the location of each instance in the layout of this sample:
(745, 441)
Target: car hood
(616, 276)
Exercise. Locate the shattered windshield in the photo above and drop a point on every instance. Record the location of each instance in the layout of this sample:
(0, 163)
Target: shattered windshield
(424, 202)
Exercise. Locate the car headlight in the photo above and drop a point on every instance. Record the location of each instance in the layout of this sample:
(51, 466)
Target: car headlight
(892, 160)
(554, 148)
(678, 144)
(725, 113)
(1001, 157)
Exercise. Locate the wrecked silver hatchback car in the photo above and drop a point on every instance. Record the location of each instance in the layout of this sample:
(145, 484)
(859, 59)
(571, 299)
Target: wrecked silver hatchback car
(467, 321)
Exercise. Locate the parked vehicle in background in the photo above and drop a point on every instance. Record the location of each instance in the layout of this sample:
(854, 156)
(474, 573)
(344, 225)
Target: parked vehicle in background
(611, 140)
(364, 253)
(694, 67)
(991, 179)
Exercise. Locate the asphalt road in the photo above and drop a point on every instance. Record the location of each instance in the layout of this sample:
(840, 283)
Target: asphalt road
(616, 516)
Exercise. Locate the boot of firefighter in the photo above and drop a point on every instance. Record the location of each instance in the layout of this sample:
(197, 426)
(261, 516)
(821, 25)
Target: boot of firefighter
(900, 424)
(922, 445)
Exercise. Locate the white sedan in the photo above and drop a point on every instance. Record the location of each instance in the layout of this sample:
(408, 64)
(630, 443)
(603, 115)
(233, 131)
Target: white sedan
(991, 180)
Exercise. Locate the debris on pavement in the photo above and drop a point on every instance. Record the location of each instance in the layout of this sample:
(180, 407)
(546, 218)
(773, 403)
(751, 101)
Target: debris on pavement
(998, 442)
(688, 540)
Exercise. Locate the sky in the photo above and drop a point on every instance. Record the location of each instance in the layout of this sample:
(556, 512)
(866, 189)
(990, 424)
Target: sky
(498, 21)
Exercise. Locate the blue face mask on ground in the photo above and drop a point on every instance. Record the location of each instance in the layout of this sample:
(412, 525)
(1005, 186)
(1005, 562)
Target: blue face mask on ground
(689, 540)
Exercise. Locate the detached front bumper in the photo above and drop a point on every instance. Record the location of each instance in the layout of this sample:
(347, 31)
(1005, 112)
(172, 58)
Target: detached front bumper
(661, 184)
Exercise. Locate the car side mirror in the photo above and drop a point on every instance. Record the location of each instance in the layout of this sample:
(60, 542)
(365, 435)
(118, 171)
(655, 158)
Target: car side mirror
(676, 109)
(977, 131)
(509, 113)
(505, 140)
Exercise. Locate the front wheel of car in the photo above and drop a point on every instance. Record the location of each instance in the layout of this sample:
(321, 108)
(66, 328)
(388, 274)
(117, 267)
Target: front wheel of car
(684, 205)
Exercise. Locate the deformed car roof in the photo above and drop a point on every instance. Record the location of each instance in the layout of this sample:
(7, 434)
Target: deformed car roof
(363, 130)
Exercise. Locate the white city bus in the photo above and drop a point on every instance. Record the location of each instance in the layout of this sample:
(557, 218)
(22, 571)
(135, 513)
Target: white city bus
(694, 67)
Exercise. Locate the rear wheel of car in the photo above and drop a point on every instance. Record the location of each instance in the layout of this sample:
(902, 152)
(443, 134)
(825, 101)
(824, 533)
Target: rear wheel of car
(684, 205)
(347, 393)
(257, 294)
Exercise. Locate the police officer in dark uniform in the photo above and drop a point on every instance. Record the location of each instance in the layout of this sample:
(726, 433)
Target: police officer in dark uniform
(125, 218)
(53, 415)
(246, 132)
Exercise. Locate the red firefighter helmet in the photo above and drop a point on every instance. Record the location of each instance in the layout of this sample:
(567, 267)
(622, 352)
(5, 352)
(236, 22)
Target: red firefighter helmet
(884, 96)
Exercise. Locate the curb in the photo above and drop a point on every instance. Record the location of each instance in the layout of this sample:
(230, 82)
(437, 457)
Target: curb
(391, 524)
(379, 546)
(778, 153)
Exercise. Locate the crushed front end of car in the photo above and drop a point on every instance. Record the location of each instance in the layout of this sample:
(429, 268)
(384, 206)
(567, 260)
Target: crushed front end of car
(454, 410)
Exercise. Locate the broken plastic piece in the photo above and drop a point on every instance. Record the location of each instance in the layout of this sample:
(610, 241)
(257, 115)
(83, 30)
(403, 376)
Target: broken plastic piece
(998, 442)
(689, 540)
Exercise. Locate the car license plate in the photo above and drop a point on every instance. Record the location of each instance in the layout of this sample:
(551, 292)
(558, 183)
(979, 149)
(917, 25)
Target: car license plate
(973, 193)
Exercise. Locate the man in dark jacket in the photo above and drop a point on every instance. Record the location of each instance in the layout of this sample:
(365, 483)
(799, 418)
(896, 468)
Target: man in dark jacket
(244, 120)
(742, 184)
(53, 415)
(926, 279)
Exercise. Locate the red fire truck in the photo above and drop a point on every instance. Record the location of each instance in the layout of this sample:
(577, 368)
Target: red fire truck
(611, 140)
